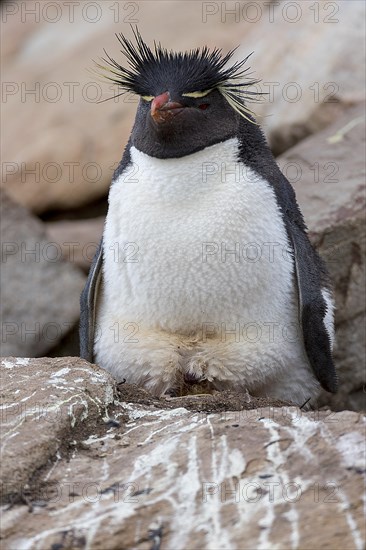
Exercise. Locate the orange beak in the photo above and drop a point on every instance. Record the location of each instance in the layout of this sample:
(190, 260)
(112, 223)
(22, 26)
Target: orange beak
(163, 110)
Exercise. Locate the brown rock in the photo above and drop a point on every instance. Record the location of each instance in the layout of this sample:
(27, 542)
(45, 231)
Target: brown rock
(40, 298)
(310, 58)
(78, 239)
(158, 478)
(46, 404)
(329, 171)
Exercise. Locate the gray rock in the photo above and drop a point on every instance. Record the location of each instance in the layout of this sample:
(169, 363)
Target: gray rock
(158, 477)
(40, 291)
(330, 171)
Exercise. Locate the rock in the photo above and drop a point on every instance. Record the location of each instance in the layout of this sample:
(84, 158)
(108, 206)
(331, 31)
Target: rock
(61, 152)
(45, 402)
(310, 57)
(330, 176)
(78, 239)
(174, 478)
(41, 303)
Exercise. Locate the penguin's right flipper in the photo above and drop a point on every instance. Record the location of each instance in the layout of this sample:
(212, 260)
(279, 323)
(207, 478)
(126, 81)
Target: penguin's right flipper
(312, 280)
(309, 275)
(88, 301)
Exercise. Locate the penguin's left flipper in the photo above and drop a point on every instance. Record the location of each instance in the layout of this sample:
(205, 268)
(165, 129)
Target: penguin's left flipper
(88, 302)
(311, 278)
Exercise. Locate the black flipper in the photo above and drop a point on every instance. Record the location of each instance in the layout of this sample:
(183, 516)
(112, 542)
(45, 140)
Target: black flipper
(88, 302)
(309, 274)
(311, 277)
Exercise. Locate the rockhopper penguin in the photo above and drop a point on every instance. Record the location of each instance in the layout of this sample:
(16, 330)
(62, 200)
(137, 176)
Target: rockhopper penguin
(205, 274)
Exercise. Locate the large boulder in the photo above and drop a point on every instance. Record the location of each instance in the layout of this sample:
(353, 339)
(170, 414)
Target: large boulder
(61, 152)
(328, 173)
(171, 473)
(40, 298)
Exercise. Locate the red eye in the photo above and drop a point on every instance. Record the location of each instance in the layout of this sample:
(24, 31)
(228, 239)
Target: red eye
(203, 106)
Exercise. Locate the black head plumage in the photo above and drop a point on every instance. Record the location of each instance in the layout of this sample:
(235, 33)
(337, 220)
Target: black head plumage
(193, 73)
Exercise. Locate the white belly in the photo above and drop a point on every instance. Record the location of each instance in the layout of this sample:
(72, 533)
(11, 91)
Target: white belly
(193, 251)
(195, 246)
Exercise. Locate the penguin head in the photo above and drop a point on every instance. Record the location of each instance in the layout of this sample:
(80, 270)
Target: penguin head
(188, 101)
(172, 124)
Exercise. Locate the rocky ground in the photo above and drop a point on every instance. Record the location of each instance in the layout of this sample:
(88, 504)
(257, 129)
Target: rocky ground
(112, 468)
(88, 464)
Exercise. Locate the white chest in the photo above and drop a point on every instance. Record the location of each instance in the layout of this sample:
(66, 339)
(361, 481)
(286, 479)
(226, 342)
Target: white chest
(193, 240)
